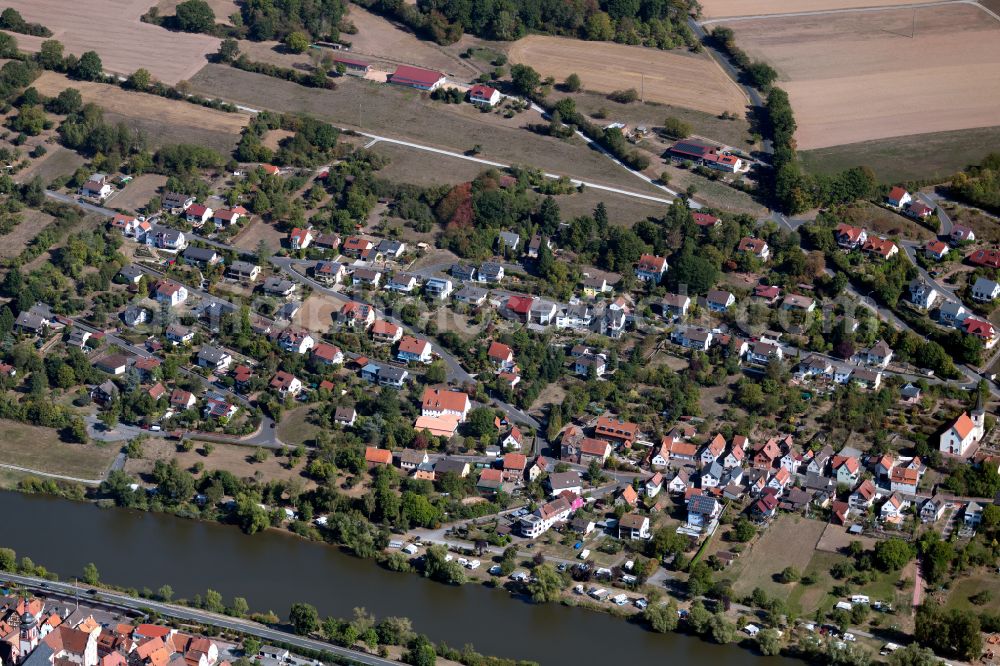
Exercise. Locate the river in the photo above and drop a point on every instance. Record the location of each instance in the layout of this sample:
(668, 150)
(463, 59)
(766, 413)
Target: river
(272, 570)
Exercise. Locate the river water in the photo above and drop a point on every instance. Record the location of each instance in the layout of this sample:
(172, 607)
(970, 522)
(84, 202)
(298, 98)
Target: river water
(272, 570)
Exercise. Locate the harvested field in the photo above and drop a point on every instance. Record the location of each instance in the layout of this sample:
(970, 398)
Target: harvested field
(39, 448)
(164, 121)
(735, 132)
(384, 43)
(788, 542)
(32, 223)
(138, 193)
(317, 311)
(274, 138)
(58, 161)
(407, 114)
(230, 457)
(936, 156)
(257, 231)
(712, 9)
(410, 166)
(112, 28)
(223, 9)
(668, 77)
(858, 76)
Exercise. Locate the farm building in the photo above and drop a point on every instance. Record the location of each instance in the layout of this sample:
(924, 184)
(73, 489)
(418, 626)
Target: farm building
(417, 77)
(483, 95)
(353, 66)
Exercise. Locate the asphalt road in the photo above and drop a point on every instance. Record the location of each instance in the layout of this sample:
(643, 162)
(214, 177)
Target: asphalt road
(183, 613)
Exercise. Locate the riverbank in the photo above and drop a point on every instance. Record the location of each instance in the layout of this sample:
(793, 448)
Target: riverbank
(146, 550)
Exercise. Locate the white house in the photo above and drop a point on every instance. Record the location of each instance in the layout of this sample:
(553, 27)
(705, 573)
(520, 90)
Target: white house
(922, 294)
(985, 290)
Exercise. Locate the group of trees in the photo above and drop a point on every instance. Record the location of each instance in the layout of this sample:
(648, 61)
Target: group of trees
(657, 23)
(11, 19)
(980, 185)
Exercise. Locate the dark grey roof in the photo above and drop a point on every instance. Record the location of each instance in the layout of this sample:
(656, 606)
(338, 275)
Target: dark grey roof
(200, 254)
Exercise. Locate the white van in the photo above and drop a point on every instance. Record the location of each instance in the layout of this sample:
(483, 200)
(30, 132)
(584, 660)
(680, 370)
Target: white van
(584, 554)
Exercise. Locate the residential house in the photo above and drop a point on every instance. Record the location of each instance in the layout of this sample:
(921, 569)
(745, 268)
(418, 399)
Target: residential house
(981, 329)
(514, 439)
(756, 247)
(134, 316)
(355, 314)
(560, 482)
(438, 288)
(410, 459)
(345, 416)
(863, 497)
(898, 197)
(932, 509)
(654, 485)
(719, 301)
(894, 509)
(176, 200)
(385, 375)
(500, 355)
(952, 313)
(491, 271)
(197, 214)
(633, 526)
(961, 234)
(484, 95)
(542, 312)
(762, 353)
(592, 286)
(201, 256)
(125, 224)
(765, 508)
(459, 468)
(286, 384)
(327, 241)
(327, 354)
(299, 238)
(547, 515)
(820, 461)
(984, 290)
(919, 210)
(390, 249)
(972, 515)
(906, 478)
(97, 186)
(703, 514)
(366, 277)
(278, 286)
(535, 245)
(376, 457)
(182, 400)
(798, 303)
(179, 335)
(169, 293)
(386, 332)
(226, 217)
(713, 450)
(243, 271)
(880, 247)
(990, 258)
(651, 268)
(577, 317)
(922, 294)
(590, 363)
(936, 250)
(692, 337)
(436, 402)
(214, 358)
(414, 349)
(514, 466)
(879, 355)
(296, 340)
(847, 469)
(330, 273)
(470, 295)
(627, 496)
(404, 283)
(508, 240)
(675, 305)
(165, 238)
(769, 294)
(767, 455)
(680, 483)
(780, 480)
(850, 237)
(705, 220)
(463, 272)
(616, 431)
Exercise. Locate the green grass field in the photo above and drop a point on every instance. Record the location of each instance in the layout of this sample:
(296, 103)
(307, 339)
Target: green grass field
(34, 447)
(935, 156)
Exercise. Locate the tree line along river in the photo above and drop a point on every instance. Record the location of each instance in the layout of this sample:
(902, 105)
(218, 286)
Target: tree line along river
(272, 570)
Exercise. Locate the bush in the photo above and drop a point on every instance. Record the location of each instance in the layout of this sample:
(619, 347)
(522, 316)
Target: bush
(676, 128)
(572, 83)
(624, 96)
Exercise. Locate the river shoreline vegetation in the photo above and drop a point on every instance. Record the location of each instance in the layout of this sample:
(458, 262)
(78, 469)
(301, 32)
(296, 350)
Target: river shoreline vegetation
(361, 632)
